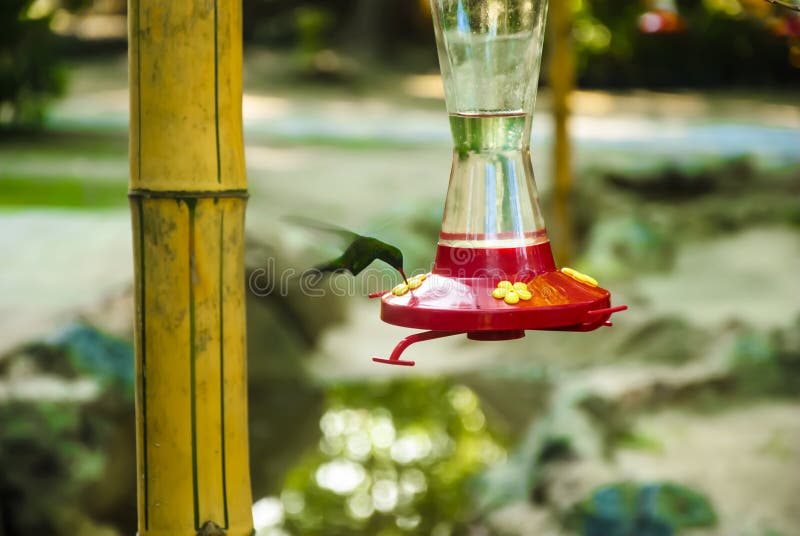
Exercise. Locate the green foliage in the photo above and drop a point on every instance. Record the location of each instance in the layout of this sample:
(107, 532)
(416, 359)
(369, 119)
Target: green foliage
(614, 426)
(634, 223)
(46, 461)
(67, 454)
(82, 350)
(768, 363)
(388, 25)
(89, 351)
(668, 339)
(394, 457)
(651, 509)
(30, 72)
(718, 46)
(625, 246)
(312, 26)
(715, 48)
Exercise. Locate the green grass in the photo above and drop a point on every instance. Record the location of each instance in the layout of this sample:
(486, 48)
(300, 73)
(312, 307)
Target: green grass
(64, 192)
(64, 142)
(63, 169)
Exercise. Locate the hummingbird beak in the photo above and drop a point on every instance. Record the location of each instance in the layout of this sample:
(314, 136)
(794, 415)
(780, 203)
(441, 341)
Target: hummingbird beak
(404, 275)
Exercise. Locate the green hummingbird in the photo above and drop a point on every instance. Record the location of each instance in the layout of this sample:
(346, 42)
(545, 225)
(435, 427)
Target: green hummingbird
(360, 252)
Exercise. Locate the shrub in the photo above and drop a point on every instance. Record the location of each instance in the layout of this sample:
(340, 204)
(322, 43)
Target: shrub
(30, 71)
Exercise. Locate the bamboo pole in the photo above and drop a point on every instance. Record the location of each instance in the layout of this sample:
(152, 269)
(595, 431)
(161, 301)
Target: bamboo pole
(188, 195)
(562, 83)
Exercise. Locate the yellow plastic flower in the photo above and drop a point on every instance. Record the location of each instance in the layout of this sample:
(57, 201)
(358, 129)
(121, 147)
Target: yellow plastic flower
(512, 293)
(400, 289)
(413, 283)
(578, 276)
(499, 293)
(518, 286)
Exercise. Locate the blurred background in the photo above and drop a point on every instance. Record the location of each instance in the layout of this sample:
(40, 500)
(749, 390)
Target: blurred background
(682, 419)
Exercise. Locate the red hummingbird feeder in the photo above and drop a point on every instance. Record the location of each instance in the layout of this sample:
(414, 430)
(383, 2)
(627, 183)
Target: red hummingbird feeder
(494, 276)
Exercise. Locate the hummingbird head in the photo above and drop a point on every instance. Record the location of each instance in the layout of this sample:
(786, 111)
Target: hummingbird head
(393, 257)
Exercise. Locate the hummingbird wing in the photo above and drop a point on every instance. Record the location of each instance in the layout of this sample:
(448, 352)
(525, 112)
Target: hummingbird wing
(360, 252)
(310, 223)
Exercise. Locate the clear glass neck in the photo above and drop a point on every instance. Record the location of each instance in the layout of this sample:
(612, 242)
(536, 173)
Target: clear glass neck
(490, 54)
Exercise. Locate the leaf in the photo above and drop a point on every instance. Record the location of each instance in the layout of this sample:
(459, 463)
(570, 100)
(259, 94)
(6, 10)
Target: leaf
(90, 350)
(650, 509)
(679, 505)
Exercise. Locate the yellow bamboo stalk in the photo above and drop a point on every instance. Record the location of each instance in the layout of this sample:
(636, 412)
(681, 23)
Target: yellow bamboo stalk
(562, 83)
(188, 195)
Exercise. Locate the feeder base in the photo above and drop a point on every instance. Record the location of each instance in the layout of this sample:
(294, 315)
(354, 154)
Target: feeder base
(443, 303)
(495, 335)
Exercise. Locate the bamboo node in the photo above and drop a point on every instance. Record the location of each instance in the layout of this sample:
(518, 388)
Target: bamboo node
(210, 528)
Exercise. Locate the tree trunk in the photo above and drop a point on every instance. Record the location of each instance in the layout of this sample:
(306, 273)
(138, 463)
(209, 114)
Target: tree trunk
(562, 82)
(188, 195)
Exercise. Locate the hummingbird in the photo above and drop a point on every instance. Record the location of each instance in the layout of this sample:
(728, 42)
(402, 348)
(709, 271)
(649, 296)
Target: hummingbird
(360, 252)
